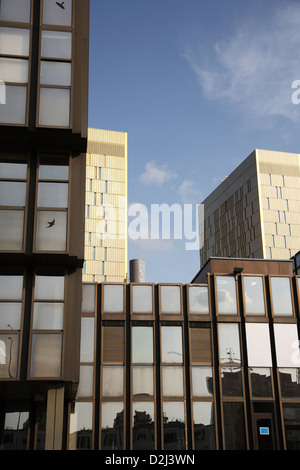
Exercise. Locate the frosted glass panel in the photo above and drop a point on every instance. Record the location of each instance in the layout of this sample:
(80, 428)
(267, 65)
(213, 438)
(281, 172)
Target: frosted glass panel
(48, 316)
(11, 287)
(170, 299)
(13, 170)
(14, 41)
(142, 381)
(171, 344)
(113, 301)
(49, 288)
(55, 73)
(258, 345)
(12, 193)
(142, 344)
(46, 355)
(287, 345)
(86, 382)
(53, 172)
(172, 380)
(88, 298)
(281, 296)
(87, 340)
(14, 70)
(11, 230)
(10, 315)
(53, 195)
(56, 44)
(15, 10)
(54, 107)
(57, 13)
(13, 111)
(113, 381)
(51, 231)
(142, 299)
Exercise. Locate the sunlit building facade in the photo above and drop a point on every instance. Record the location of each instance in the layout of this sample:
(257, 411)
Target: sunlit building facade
(44, 61)
(254, 212)
(210, 365)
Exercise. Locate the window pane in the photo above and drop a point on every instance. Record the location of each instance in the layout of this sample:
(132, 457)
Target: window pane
(291, 417)
(229, 343)
(53, 195)
(112, 381)
(171, 344)
(16, 10)
(11, 230)
(142, 344)
(54, 107)
(174, 426)
(48, 316)
(56, 44)
(172, 381)
(9, 349)
(14, 109)
(232, 383)
(12, 193)
(55, 73)
(13, 170)
(46, 355)
(202, 382)
(204, 426)
(198, 300)
(261, 382)
(142, 381)
(16, 431)
(14, 41)
(281, 296)
(226, 295)
(88, 298)
(87, 339)
(112, 426)
(57, 13)
(143, 426)
(113, 344)
(49, 288)
(258, 345)
(81, 425)
(170, 299)
(289, 383)
(51, 231)
(113, 301)
(53, 172)
(200, 345)
(142, 299)
(286, 345)
(10, 315)
(234, 426)
(86, 382)
(254, 295)
(14, 70)
(11, 287)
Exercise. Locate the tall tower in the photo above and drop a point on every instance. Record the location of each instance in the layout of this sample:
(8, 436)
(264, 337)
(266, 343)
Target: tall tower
(43, 135)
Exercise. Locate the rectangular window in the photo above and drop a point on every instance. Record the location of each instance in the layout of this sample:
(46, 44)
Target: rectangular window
(16, 11)
(170, 299)
(13, 195)
(198, 300)
(281, 296)
(234, 426)
(112, 425)
(143, 426)
(141, 299)
(113, 298)
(174, 437)
(286, 344)
(57, 13)
(226, 295)
(81, 427)
(204, 426)
(254, 295)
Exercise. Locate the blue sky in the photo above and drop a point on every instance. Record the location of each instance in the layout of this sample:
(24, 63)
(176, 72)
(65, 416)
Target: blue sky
(197, 85)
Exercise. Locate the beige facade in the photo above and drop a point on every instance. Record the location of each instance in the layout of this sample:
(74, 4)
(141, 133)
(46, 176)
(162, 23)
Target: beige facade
(254, 212)
(106, 207)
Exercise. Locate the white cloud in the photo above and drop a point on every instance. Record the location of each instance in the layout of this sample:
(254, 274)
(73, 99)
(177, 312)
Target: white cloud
(256, 66)
(189, 192)
(157, 175)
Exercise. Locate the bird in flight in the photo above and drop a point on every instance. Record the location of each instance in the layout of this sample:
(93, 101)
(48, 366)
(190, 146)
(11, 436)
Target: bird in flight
(51, 224)
(61, 5)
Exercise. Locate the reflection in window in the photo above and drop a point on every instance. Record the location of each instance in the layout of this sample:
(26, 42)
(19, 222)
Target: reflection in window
(204, 426)
(142, 301)
(171, 344)
(16, 431)
(202, 382)
(143, 437)
(55, 15)
(261, 382)
(234, 426)
(286, 345)
(113, 298)
(254, 295)
(281, 296)
(291, 417)
(142, 381)
(170, 299)
(198, 300)
(81, 427)
(289, 382)
(231, 381)
(173, 426)
(226, 295)
(112, 426)
(229, 343)
(258, 345)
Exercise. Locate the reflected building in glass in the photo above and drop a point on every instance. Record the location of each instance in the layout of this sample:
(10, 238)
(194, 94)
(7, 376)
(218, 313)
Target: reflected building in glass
(43, 134)
(211, 365)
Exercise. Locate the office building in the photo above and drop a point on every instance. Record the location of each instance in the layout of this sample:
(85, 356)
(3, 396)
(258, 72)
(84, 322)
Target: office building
(210, 365)
(254, 212)
(43, 133)
(106, 207)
